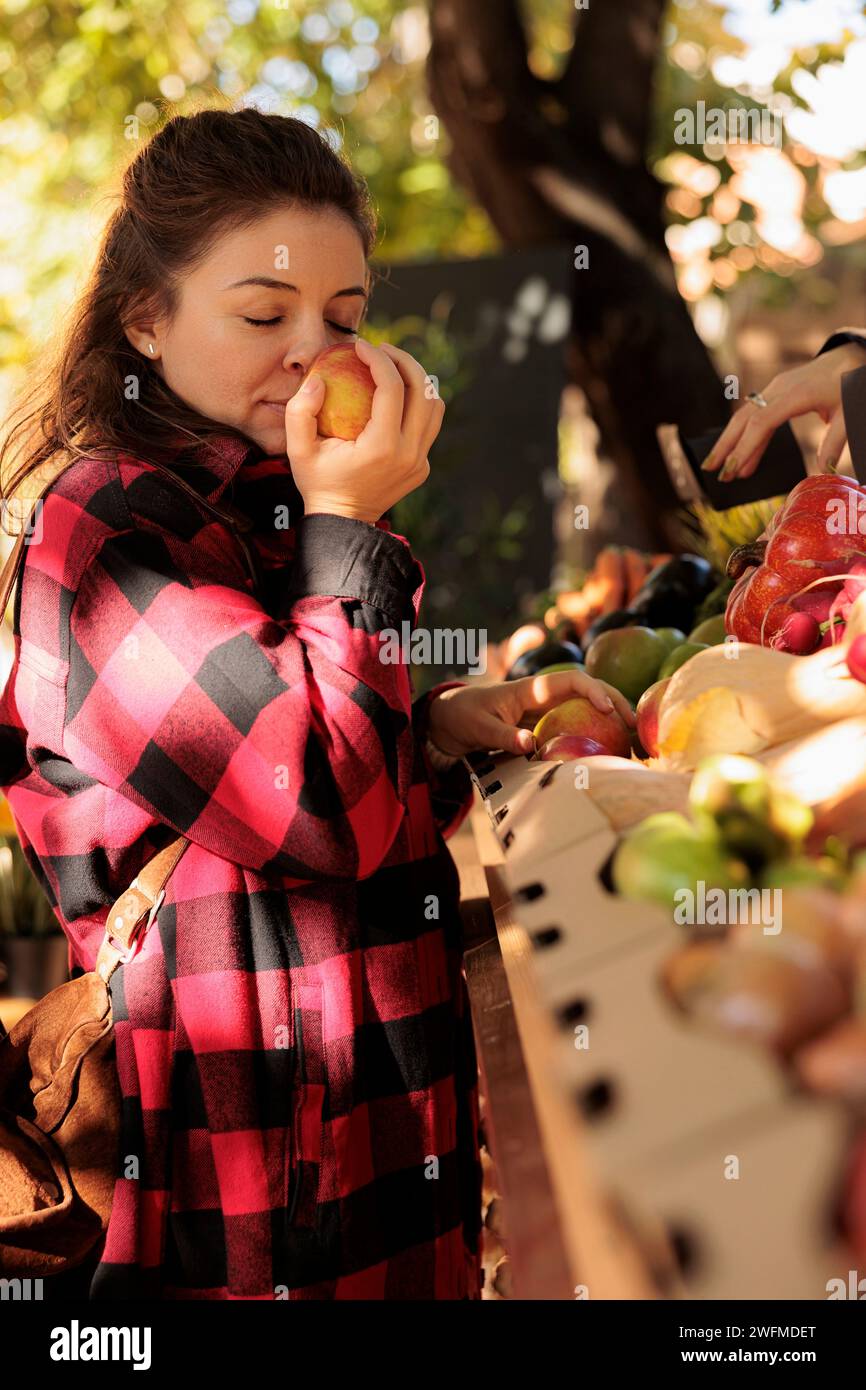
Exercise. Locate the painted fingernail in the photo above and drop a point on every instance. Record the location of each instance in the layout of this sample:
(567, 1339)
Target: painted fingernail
(830, 465)
(709, 464)
(729, 470)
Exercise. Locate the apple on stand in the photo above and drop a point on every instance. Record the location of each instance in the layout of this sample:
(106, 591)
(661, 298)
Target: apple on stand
(647, 713)
(349, 389)
(580, 717)
(566, 747)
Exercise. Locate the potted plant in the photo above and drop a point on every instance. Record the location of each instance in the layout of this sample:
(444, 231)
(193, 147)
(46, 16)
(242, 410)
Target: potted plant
(33, 948)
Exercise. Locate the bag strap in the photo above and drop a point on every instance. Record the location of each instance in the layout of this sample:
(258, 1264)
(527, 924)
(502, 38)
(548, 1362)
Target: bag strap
(47, 474)
(125, 925)
(10, 571)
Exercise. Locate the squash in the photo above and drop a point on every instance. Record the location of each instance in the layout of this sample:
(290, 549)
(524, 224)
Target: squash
(821, 766)
(745, 699)
(627, 792)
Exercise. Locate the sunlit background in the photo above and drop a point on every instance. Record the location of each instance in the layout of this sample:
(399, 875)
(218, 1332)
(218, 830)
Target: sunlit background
(742, 217)
(767, 241)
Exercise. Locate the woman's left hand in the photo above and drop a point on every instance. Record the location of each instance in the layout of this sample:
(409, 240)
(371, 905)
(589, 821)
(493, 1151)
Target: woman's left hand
(503, 715)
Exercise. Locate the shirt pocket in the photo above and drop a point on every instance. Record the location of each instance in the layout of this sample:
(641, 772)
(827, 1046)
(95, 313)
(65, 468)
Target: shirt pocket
(40, 694)
(309, 1099)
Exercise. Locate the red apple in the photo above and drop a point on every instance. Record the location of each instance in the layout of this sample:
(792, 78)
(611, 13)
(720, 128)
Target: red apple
(567, 747)
(647, 713)
(349, 388)
(579, 716)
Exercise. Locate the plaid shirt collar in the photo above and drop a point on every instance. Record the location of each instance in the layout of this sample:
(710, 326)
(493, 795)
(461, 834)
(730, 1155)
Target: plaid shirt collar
(211, 466)
(233, 473)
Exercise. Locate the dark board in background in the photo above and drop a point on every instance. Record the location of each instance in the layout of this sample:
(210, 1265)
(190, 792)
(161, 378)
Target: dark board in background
(494, 331)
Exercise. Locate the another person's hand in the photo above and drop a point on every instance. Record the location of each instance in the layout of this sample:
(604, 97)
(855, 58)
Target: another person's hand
(363, 478)
(469, 717)
(816, 386)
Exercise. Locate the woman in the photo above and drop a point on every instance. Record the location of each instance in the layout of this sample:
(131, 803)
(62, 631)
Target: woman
(199, 654)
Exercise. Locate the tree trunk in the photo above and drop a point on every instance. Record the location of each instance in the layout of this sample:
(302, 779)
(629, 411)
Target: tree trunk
(565, 161)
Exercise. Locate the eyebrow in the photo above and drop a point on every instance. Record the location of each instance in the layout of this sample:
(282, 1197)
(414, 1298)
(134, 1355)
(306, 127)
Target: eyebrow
(269, 283)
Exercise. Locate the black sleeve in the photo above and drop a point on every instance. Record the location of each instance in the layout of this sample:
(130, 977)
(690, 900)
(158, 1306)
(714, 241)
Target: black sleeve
(844, 335)
(451, 789)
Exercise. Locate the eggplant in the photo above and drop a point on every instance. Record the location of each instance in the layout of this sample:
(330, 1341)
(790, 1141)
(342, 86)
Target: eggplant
(620, 617)
(692, 572)
(548, 654)
(673, 592)
(668, 606)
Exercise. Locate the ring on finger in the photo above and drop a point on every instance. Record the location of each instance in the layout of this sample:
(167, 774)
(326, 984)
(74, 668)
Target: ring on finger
(757, 399)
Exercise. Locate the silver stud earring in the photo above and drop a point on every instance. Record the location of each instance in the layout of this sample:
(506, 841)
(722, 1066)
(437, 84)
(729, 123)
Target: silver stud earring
(150, 348)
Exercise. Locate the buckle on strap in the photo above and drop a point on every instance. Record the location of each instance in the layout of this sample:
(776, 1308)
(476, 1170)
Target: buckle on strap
(125, 956)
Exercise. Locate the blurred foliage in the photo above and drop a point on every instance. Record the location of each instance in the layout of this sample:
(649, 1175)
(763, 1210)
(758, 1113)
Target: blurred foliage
(465, 551)
(24, 908)
(81, 84)
(757, 217)
(83, 81)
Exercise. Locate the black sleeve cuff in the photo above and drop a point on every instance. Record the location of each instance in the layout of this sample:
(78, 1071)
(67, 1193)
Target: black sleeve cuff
(451, 789)
(844, 335)
(340, 557)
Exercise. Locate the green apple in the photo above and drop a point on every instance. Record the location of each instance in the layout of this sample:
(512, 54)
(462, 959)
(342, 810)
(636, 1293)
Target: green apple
(667, 852)
(679, 656)
(671, 636)
(628, 658)
(711, 631)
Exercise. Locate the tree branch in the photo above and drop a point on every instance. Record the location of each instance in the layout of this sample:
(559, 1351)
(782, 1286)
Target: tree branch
(610, 73)
(555, 163)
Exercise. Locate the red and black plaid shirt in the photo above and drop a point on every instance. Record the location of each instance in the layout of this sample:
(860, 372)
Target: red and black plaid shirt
(294, 1042)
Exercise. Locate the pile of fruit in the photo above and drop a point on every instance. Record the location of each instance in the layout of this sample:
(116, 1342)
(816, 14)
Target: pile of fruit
(739, 802)
(615, 580)
(677, 611)
(793, 591)
(750, 763)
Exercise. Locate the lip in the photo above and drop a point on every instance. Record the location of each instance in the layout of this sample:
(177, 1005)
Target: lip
(278, 406)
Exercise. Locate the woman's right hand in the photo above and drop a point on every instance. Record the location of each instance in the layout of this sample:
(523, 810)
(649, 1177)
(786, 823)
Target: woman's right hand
(816, 386)
(363, 478)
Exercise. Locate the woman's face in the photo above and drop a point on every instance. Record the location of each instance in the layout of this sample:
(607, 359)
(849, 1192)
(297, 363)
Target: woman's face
(237, 351)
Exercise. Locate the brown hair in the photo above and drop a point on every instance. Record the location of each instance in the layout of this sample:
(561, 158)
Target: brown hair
(198, 177)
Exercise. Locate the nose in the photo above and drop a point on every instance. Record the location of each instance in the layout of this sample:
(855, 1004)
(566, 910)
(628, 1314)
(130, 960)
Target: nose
(302, 353)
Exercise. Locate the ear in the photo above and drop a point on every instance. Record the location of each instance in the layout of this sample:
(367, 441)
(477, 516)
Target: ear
(142, 331)
(141, 336)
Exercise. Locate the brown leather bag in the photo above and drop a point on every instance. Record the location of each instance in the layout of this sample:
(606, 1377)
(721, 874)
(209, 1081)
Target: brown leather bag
(60, 1100)
(59, 1090)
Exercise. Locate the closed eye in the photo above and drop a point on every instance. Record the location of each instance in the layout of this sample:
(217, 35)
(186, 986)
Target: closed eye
(269, 323)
